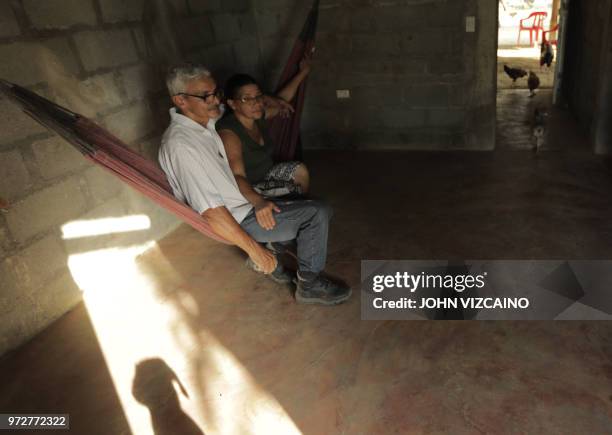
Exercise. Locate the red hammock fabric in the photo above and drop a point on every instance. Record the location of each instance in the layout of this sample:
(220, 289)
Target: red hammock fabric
(286, 131)
(101, 147)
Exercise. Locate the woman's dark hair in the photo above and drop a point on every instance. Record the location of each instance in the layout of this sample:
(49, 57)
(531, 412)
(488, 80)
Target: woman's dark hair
(235, 82)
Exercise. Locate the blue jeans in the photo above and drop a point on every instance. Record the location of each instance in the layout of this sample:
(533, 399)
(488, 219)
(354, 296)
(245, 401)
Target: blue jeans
(304, 220)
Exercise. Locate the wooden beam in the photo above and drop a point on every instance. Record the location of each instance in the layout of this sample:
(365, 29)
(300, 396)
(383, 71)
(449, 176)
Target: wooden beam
(554, 18)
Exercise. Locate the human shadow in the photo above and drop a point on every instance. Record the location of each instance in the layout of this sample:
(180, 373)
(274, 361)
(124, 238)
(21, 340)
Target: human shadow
(153, 386)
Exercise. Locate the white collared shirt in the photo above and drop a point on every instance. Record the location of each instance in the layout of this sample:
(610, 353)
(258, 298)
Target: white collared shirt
(194, 160)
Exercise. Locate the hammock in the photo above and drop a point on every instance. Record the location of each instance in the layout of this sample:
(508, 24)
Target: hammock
(286, 131)
(101, 147)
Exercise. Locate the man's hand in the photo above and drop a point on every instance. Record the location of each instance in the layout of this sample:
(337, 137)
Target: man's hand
(264, 259)
(264, 214)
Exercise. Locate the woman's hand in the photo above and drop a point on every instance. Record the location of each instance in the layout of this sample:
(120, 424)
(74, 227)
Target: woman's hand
(306, 62)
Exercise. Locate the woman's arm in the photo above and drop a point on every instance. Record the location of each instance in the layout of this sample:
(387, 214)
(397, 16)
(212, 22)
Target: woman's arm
(263, 208)
(290, 89)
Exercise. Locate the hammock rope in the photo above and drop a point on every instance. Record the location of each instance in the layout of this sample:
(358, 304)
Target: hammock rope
(286, 131)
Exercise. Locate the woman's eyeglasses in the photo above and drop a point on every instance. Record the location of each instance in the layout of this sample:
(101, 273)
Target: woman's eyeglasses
(251, 100)
(208, 98)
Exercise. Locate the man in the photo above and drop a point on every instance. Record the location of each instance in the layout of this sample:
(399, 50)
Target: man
(193, 157)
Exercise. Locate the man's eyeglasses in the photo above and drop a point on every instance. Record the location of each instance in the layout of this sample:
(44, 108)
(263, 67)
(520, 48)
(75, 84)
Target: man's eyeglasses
(208, 98)
(251, 100)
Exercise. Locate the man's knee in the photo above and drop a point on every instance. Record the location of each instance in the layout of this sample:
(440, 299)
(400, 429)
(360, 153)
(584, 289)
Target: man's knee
(323, 210)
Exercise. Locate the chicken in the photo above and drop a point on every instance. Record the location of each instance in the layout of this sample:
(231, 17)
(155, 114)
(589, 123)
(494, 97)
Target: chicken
(546, 53)
(514, 73)
(533, 82)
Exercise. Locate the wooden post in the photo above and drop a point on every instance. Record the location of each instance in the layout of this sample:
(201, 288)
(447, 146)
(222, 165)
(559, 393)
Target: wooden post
(554, 18)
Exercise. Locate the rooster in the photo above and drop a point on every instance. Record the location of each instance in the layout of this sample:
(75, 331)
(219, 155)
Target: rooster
(546, 53)
(533, 82)
(514, 73)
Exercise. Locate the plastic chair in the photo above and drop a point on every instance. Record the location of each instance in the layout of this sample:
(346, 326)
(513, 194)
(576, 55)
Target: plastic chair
(536, 24)
(545, 32)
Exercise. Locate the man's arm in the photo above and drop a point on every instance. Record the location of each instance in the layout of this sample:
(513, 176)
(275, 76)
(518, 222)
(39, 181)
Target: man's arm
(223, 223)
(263, 209)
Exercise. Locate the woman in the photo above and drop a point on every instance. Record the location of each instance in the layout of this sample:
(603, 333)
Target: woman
(249, 147)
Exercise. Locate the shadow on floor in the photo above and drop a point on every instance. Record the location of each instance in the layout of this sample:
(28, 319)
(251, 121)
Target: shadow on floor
(154, 387)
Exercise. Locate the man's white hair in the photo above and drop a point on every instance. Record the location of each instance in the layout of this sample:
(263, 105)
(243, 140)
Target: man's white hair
(180, 75)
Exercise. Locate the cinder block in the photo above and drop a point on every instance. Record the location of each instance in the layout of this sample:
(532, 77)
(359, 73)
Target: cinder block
(46, 60)
(220, 59)
(235, 5)
(195, 32)
(102, 184)
(362, 20)
(45, 210)
(8, 22)
(275, 51)
(446, 65)
(402, 118)
(376, 45)
(19, 325)
(179, 7)
(115, 11)
(59, 14)
(43, 260)
(100, 92)
(447, 117)
(58, 297)
(246, 53)
(427, 96)
(247, 23)
(141, 80)
(150, 148)
(433, 44)
(14, 175)
(55, 157)
(105, 49)
(202, 6)
(6, 242)
(225, 27)
(12, 282)
(88, 97)
(131, 123)
(114, 208)
(448, 14)
(274, 5)
(377, 95)
(333, 20)
(268, 24)
(141, 43)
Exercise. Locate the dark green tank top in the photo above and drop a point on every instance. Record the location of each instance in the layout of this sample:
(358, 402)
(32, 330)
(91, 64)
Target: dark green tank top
(257, 158)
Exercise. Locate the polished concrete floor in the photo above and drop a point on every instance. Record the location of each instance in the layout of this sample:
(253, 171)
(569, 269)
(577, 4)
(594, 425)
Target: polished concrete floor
(196, 343)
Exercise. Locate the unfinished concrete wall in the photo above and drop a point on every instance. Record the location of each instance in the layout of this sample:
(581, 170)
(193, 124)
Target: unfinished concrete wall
(586, 41)
(602, 125)
(104, 59)
(417, 80)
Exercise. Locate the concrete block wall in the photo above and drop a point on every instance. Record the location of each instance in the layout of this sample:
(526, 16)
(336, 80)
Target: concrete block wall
(106, 60)
(417, 80)
(588, 70)
(587, 22)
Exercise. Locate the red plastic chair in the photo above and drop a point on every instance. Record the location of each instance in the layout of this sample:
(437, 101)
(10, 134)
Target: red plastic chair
(546, 32)
(536, 24)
